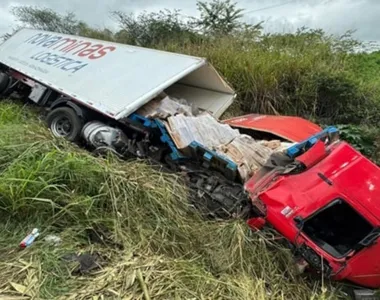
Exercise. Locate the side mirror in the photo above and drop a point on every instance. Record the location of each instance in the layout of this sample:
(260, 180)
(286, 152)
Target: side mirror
(371, 238)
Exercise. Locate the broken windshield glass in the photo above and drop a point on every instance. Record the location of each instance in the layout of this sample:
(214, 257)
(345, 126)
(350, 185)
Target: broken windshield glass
(337, 228)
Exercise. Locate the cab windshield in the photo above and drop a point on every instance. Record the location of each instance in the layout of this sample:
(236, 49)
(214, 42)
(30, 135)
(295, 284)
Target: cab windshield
(337, 228)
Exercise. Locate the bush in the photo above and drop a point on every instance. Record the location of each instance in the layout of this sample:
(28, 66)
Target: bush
(305, 74)
(150, 29)
(365, 139)
(339, 99)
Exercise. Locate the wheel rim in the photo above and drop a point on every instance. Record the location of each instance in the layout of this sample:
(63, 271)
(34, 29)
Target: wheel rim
(61, 126)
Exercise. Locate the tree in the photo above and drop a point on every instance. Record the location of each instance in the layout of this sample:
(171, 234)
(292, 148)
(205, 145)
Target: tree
(151, 29)
(219, 16)
(47, 19)
(94, 33)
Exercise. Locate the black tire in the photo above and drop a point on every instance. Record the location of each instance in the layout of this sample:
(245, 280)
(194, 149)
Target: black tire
(4, 81)
(64, 122)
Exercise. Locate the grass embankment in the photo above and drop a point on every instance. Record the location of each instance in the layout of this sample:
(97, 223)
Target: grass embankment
(306, 74)
(165, 250)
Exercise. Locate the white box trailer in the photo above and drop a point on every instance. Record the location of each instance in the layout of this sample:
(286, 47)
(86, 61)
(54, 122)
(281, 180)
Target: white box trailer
(112, 78)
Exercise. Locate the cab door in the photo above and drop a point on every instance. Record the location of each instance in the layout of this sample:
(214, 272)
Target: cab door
(365, 265)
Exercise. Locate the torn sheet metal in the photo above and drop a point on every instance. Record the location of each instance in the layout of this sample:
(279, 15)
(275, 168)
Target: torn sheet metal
(293, 129)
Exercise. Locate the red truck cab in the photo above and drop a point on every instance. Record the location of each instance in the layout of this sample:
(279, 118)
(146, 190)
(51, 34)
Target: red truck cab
(330, 211)
(328, 208)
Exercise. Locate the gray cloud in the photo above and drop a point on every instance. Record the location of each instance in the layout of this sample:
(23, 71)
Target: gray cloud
(335, 16)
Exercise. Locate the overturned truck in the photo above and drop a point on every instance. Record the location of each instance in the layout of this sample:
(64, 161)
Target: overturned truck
(316, 190)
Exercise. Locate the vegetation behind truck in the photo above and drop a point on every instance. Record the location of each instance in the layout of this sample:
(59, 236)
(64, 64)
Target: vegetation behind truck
(321, 195)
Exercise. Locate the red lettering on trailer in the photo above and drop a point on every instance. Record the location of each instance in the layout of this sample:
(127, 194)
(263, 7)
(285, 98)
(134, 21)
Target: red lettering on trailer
(87, 52)
(102, 52)
(81, 48)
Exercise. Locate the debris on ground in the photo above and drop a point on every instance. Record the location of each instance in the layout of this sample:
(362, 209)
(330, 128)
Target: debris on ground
(100, 234)
(53, 239)
(30, 238)
(87, 262)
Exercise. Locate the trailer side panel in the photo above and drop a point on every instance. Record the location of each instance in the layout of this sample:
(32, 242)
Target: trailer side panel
(112, 78)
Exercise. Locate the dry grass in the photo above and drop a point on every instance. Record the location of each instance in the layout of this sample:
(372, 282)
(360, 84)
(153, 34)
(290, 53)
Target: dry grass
(169, 252)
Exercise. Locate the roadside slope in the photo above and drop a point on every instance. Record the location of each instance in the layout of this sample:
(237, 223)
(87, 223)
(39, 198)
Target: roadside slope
(154, 246)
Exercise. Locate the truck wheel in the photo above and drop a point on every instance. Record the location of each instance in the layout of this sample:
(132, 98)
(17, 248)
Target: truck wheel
(4, 81)
(64, 122)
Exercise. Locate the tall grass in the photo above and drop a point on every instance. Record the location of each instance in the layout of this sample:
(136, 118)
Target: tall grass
(306, 74)
(168, 251)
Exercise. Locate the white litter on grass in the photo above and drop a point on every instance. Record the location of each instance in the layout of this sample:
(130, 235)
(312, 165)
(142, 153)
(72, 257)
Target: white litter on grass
(53, 239)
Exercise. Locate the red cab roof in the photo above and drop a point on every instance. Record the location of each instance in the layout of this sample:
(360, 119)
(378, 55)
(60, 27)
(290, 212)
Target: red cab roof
(293, 129)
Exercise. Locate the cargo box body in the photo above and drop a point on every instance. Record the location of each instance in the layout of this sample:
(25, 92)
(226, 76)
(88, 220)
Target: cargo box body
(114, 79)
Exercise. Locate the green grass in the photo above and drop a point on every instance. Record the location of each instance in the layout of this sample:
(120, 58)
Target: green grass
(169, 252)
(367, 66)
(296, 74)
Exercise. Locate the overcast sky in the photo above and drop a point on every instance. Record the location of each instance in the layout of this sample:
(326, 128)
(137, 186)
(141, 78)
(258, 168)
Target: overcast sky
(335, 16)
